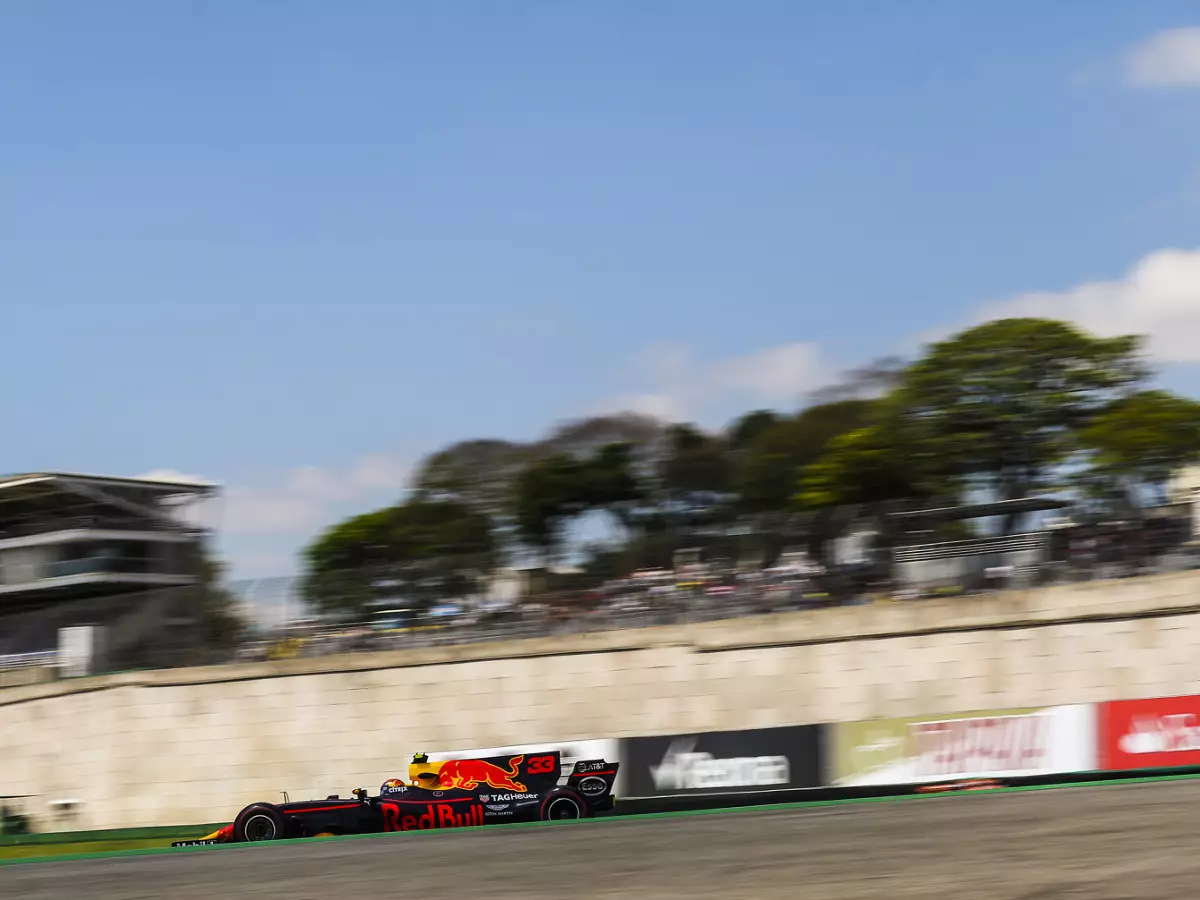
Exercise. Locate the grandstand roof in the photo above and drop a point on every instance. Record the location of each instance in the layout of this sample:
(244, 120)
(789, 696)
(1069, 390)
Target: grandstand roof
(984, 510)
(162, 488)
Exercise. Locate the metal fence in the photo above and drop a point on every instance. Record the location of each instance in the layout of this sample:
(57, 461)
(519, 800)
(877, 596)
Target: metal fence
(12, 661)
(534, 617)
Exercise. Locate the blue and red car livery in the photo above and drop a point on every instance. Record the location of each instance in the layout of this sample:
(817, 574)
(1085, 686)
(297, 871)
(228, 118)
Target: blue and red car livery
(447, 794)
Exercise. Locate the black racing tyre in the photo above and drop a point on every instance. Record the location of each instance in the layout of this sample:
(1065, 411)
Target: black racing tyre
(259, 822)
(564, 805)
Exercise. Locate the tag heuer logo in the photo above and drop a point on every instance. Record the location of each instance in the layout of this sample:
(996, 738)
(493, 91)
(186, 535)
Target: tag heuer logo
(484, 798)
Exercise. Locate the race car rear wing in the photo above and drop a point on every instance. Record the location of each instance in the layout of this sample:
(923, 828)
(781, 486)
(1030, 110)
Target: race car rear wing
(593, 780)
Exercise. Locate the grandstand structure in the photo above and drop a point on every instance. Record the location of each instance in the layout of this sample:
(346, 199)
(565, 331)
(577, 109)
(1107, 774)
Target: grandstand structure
(110, 552)
(1183, 490)
(1016, 558)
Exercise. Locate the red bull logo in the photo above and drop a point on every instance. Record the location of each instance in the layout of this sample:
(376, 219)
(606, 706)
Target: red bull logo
(470, 773)
(437, 815)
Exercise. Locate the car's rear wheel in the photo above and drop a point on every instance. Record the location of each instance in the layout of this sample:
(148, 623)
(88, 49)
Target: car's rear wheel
(257, 823)
(563, 805)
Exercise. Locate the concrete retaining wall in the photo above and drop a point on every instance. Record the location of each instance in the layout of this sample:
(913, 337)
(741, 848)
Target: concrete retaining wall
(193, 745)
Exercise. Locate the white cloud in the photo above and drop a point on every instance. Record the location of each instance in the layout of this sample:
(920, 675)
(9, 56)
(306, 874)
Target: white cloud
(265, 565)
(1158, 297)
(683, 387)
(1168, 59)
(658, 406)
(261, 525)
(306, 497)
(250, 510)
(777, 374)
(376, 472)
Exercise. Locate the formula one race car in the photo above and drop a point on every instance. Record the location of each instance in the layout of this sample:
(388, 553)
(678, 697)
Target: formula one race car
(450, 794)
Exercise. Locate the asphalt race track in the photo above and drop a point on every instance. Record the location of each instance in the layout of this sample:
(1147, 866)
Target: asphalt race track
(1113, 842)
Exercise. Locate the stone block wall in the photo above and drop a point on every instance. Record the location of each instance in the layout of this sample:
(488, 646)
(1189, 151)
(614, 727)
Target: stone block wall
(194, 745)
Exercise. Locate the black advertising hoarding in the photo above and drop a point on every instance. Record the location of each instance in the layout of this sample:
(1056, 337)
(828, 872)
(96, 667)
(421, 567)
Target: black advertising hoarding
(716, 762)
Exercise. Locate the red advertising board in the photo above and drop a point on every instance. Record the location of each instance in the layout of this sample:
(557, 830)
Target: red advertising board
(1149, 734)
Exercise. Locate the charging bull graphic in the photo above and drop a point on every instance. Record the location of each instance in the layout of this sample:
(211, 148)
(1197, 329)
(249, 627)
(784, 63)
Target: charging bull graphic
(468, 774)
(465, 774)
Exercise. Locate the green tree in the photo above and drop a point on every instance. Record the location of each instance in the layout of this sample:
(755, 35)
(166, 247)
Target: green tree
(418, 550)
(608, 481)
(218, 623)
(221, 625)
(695, 472)
(743, 431)
(866, 466)
(1136, 443)
(583, 438)
(554, 490)
(772, 466)
(1003, 404)
(477, 473)
(548, 494)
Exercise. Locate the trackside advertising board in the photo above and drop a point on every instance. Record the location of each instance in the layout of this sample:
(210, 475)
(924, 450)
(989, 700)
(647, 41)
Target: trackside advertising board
(1147, 734)
(987, 744)
(717, 762)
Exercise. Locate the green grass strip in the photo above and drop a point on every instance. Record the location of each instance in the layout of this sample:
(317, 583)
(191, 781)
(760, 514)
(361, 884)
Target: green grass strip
(77, 850)
(110, 835)
(93, 853)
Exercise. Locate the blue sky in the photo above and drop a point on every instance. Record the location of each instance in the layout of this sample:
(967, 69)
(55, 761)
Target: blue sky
(291, 246)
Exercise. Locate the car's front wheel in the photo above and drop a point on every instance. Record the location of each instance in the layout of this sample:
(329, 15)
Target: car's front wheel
(259, 822)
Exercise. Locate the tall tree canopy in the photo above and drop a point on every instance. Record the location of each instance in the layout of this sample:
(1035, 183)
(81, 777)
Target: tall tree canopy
(398, 552)
(476, 473)
(695, 473)
(1004, 404)
(745, 430)
(776, 458)
(548, 493)
(1013, 407)
(584, 437)
(1136, 443)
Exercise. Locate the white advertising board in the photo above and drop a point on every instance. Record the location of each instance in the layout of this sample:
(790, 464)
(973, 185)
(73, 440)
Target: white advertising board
(1008, 743)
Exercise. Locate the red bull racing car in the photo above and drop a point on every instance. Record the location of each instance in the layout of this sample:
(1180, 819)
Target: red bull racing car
(449, 794)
